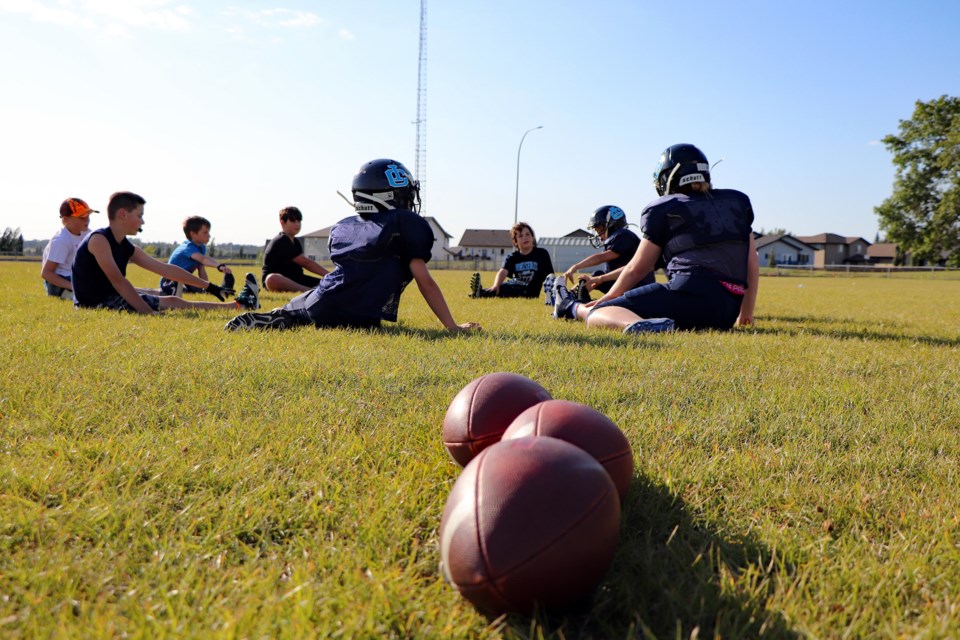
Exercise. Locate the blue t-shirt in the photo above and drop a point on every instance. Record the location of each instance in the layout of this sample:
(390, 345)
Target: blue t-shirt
(181, 255)
(625, 243)
(91, 286)
(371, 260)
(702, 234)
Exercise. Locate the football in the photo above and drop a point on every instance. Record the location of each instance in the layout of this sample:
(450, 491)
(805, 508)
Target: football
(530, 522)
(483, 410)
(584, 427)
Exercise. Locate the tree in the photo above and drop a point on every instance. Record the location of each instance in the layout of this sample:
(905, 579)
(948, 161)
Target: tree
(11, 241)
(923, 214)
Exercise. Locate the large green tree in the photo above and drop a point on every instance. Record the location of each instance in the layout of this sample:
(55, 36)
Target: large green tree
(923, 214)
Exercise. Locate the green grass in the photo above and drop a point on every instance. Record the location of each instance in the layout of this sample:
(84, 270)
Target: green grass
(161, 477)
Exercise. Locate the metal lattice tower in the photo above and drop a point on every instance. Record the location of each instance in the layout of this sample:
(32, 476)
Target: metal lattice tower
(420, 166)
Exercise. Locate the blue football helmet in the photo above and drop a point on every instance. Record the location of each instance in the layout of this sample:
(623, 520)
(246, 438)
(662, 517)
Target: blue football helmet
(680, 165)
(607, 218)
(381, 185)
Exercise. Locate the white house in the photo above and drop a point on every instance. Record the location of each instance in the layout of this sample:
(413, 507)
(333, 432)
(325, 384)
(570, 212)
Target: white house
(781, 248)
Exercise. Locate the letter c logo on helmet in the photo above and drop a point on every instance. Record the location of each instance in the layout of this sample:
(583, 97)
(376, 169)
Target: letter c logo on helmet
(396, 177)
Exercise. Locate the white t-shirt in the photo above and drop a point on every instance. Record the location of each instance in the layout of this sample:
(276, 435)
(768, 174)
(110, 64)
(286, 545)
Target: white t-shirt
(61, 249)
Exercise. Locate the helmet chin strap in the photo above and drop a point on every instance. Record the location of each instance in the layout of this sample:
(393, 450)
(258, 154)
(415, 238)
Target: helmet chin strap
(670, 178)
(368, 196)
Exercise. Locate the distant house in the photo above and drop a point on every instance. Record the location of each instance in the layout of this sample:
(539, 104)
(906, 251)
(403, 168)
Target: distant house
(315, 243)
(485, 244)
(783, 249)
(882, 253)
(833, 249)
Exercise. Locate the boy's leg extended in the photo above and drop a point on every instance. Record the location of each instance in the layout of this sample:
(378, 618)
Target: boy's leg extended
(173, 302)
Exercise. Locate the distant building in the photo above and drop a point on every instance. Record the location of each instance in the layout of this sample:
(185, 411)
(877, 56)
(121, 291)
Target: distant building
(882, 253)
(485, 244)
(783, 248)
(315, 243)
(832, 249)
(568, 250)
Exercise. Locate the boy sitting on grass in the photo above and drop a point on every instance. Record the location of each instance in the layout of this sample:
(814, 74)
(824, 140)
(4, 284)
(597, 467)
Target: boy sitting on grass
(59, 252)
(523, 272)
(191, 256)
(283, 259)
(100, 268)
(376, 254)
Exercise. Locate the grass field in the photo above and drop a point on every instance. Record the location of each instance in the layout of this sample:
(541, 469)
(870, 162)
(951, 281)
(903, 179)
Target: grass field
(160, 477)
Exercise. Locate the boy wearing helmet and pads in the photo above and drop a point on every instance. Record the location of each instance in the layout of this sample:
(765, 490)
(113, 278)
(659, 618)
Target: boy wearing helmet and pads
(376, 254)
(704, 237)
(609, 227)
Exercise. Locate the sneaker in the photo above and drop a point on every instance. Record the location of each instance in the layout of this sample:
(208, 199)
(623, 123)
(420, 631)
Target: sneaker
(548, 298)
(563, 300)
(582, 294)
(249, 297)
(651, 325)
(475, 285)
(276, 319)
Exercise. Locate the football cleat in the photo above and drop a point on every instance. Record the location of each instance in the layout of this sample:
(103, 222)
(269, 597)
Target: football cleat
(651, 325)
(564, 300)
(276, 319)
(548, 298)
(475, 285)
(249, 297)
(581, 293)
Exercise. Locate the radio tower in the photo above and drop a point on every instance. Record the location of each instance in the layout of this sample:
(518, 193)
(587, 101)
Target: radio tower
(420, 166)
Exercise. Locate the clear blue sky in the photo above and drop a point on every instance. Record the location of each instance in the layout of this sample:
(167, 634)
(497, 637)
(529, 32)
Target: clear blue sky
(233, 110)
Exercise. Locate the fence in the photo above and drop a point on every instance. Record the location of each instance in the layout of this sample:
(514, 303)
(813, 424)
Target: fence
(877, 270)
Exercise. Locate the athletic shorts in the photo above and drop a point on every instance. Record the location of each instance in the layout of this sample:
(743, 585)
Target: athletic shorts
(692, 302)
(117, 303)
(55, 291)
(517, 289)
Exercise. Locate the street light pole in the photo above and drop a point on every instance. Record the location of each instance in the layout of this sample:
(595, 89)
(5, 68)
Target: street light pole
(516, 196)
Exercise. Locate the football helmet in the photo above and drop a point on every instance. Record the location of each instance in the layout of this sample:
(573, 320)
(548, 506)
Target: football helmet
(383, 184)
(607, 218)
(680, 165)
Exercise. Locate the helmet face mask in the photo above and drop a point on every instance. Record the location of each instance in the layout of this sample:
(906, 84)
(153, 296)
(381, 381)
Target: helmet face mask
(382, 185)
(680, 165)
(605, 220)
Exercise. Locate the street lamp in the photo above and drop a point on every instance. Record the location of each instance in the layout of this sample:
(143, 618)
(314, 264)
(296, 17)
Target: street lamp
(516, 197)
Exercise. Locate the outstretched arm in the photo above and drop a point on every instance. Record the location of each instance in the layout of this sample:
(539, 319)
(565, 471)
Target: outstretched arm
(590, 261)
(639, 266)
(165, 269)
(434, 296)
(498, 280)
(49, 273)
(753, 282)
(310, 265)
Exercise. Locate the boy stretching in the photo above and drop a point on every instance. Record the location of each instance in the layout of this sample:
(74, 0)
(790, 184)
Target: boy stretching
(191, 256)
(100, 268)
(283, 259)
(376, 254)
(59, 252)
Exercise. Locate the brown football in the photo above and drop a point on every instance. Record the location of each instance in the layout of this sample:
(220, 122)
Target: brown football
(532, 521)
(583, 426)
(483, 410)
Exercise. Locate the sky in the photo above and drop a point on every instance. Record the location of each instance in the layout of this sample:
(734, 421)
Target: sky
(233, 110)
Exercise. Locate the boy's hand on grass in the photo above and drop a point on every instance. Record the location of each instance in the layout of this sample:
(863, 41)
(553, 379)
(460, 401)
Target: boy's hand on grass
(465, 327)
(216, 291)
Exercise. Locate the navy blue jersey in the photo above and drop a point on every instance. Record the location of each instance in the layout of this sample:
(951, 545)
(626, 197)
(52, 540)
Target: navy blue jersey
(624, 243)
(371, 265)
(702, 234)
(91, 286)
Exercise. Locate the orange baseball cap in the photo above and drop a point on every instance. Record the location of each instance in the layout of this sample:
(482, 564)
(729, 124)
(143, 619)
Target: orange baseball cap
(75, 208)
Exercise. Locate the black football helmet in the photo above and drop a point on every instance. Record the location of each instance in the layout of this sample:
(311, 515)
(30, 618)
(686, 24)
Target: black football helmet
(381, 185)
(680, 165)
(607, 218)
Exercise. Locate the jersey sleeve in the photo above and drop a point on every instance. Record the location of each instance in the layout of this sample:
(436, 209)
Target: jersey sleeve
(624, 243)
(416, 237)
(653, 225)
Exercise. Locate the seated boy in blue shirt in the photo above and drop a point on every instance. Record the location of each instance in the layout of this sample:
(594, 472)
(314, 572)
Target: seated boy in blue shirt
(376, 254)
(191, 256)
